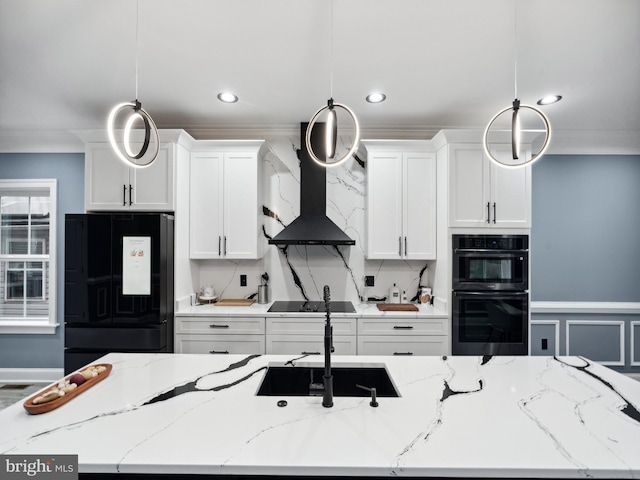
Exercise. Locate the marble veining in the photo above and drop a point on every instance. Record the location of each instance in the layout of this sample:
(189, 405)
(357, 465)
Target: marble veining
(542, 417)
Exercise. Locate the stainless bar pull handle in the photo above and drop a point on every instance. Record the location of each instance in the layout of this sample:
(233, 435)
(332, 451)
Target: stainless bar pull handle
(488, 212)
(403, 353)
(124, 195)
(399, 246)
(219, 248)
(403, 327)
(406, 252)
(223, 352)
(494, 212)
(213, 325)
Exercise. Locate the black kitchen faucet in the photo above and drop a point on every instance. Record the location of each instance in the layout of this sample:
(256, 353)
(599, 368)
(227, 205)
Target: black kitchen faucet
(327, 398)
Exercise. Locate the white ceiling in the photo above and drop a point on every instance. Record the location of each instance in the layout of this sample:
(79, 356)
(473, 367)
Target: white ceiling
(441, 63)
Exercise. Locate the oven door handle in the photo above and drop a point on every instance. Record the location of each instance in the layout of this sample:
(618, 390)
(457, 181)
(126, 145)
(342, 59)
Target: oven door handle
(503, 293)
(488, 250)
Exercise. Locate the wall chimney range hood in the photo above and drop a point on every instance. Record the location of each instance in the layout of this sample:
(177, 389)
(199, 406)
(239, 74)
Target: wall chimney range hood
(312, 227)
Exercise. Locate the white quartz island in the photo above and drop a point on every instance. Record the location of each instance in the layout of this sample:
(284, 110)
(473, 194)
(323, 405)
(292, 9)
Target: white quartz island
(492, 417)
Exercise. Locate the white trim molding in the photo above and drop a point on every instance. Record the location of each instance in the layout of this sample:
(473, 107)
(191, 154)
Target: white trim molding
(556, 324)
(635, 359)
(20, 375)
(586, 307)
(619, 323)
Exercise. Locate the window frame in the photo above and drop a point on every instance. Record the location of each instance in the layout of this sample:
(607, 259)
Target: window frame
(36, 325)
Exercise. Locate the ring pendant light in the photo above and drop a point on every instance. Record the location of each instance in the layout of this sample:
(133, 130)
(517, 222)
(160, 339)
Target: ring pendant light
(516, 130)
(332, 125)
(136, 113)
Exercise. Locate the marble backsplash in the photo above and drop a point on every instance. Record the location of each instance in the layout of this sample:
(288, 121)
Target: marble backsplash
(300, 272)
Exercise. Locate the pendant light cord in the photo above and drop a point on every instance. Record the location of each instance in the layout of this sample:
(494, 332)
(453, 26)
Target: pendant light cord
(136, 56)
(331, 53)
(515, 49)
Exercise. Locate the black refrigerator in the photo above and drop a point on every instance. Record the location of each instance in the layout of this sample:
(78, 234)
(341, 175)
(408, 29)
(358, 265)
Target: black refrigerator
(119, 294)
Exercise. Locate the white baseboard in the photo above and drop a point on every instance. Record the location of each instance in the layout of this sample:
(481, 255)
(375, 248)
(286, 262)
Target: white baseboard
(25, 375)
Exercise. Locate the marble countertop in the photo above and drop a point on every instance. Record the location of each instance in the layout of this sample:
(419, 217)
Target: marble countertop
(262, 310)
(562, 417)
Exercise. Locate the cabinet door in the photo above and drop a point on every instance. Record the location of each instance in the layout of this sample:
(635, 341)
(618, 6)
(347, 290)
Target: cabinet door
(510, 193)
(384, 206)
(106, 179)
(242, 233)
(419, 206)
(469, 187)
(152, 186)
(205, 202)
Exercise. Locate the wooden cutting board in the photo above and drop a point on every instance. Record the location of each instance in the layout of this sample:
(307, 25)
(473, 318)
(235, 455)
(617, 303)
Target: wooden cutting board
(397, 307)
(235, 302)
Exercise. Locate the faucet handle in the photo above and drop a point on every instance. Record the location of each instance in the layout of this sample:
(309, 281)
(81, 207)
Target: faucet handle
(327, 294)
(374, 401)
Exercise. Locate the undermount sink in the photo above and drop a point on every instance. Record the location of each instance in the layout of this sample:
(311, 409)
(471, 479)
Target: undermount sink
(306, 380)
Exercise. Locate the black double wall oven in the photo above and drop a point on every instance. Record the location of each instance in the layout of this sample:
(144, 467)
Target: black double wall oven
(490, 297)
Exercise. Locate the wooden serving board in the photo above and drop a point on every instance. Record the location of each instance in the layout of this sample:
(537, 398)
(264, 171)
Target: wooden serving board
(235, 302)
(397, 307)
(37, 408)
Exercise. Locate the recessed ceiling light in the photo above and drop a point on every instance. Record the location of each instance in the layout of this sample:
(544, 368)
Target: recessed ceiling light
(227, 97)
(549, 99)
(376, 97)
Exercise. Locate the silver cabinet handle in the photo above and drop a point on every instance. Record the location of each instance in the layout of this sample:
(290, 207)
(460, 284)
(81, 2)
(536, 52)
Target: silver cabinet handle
(219, 249)
(406, 252)
(399, 246)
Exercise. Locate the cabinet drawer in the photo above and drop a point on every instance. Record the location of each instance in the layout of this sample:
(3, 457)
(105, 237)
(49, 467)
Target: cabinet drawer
(309, 344)
(403, 345)
(401, 326)
(310, 326)
(220, 344)
(220, 325)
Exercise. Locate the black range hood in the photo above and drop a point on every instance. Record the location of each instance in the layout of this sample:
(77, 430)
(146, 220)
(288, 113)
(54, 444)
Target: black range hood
(312, 227)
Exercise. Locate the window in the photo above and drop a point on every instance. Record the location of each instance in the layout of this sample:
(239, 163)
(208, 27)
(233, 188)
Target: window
(27, 256)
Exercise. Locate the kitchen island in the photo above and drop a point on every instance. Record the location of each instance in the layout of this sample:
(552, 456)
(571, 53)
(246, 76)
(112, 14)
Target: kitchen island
(456, 417)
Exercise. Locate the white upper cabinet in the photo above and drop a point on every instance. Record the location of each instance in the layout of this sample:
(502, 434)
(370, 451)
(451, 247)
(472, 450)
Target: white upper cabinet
(485, 195)
(225, 202)
(111, 185)
(401, 201)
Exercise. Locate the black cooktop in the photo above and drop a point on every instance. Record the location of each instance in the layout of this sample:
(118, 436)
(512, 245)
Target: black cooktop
(311, 306)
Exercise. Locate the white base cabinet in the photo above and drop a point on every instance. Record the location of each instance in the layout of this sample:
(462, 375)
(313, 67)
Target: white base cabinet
(220, 335)
(401, 336)
(305, 336)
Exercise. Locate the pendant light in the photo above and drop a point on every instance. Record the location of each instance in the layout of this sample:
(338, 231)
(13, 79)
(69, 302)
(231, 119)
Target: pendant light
(332, 124)
(144, 157)
(516, 128)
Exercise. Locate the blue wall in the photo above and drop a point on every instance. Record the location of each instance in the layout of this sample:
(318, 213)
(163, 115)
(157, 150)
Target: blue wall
(45, 351)
(585, 236)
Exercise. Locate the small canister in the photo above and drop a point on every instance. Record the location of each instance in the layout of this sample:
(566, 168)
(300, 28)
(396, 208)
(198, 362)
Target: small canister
(425, 295)
(263, 294)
